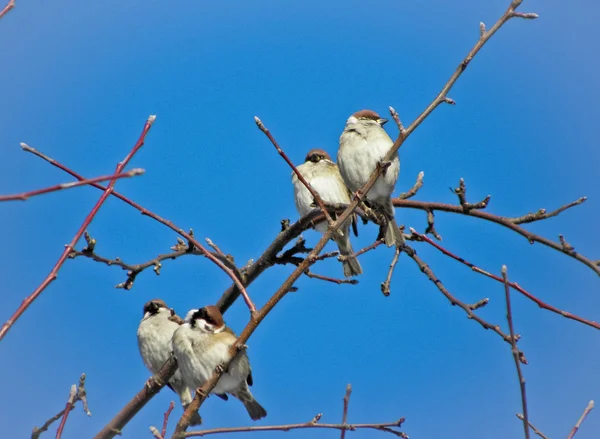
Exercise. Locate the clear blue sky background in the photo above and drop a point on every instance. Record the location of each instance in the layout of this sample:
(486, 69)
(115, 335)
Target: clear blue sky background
(78, 80)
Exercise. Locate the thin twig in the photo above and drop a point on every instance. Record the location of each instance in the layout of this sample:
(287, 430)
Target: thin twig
(132, 269)
(71, 246)
(385, 427)
(586, 411)
(413, 190)
(345, 412)
(514, 285)
(330, 279)
(516, 353)
(541, 214)
(25, 195)
(166, 418)
(535, 430)
(455, 302)
(8, 7)
(461, 191)
(385, 286)
(80, 396)
(68, 408)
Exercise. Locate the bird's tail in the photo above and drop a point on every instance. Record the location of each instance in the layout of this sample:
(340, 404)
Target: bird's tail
(196, 418)
(351, 265)
(393, 235)
(254, 409)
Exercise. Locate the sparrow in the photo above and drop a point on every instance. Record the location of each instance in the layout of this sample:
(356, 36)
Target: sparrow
(324, 177)
(154, 340)
(201, 346)
(363, 145)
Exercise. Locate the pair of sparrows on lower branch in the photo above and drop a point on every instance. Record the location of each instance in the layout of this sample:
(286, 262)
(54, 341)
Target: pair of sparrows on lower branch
(201, 344)
(363, 145)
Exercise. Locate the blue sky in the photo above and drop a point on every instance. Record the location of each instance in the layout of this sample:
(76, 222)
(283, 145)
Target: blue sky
(79, 79)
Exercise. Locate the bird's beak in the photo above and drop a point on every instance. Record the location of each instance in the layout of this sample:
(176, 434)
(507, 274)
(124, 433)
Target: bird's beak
(382, 121)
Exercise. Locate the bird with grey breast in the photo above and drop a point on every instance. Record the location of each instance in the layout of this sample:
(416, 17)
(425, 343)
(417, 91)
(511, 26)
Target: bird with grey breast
(201, 346)
(323, 175)
(363, 145)
(154, 340)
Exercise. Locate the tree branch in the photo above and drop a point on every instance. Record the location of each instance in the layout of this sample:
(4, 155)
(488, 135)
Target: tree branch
(535, 430)
(428, 206)
(518, 356)
(587, 410)
(25, 195)
(513, 285)
(455, 302)
(69, 247)
(8, 7)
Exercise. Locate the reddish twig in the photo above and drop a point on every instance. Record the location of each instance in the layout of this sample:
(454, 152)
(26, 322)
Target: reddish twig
(330, 279)
(71, 246)
(385, 286)
(345, 413)
(167, 223)
(25, 195)
(587, 410)
(514, 285)
(535, 430)
(314, 193)
(68, 408)
(166, 418)
(80, 396)
(516, 353)
(8, 7)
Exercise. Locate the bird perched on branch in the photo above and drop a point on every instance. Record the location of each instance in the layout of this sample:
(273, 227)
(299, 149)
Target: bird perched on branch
(154, 340)
(324, 177)
(363, 145)
(201, 346)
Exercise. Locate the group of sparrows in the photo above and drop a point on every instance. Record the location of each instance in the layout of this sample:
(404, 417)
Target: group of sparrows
(363, 146)
(201, 342)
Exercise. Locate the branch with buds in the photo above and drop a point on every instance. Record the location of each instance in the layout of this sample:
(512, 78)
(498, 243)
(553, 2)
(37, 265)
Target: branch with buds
(8, 7)
(386, 427)
(76, 394)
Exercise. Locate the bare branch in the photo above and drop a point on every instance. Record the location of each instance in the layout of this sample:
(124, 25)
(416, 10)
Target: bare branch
(8, 7)
(514, 285)
(58, 187)
(345, 413)
(587, 410)
(385, 286)
(461, 192)
(505, 222)
(455, 302)
(535, 430)
(81, 395)
(385, 427)
(541, 214)
(71, 246)
(68, 408)
(413, 190)
(518, 356)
